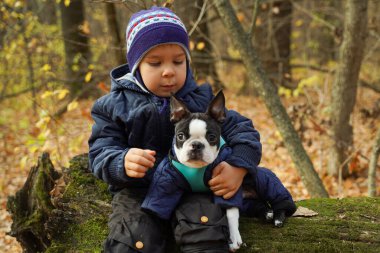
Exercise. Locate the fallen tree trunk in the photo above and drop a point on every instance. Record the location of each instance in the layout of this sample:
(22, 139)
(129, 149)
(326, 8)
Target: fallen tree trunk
(71, 216)
(74, 212)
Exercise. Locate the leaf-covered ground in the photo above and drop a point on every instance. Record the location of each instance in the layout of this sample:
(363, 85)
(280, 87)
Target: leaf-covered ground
(24, 136)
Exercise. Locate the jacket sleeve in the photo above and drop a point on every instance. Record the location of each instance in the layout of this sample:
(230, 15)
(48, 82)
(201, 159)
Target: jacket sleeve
(165, 191)
(270, 188)
(240, 134)
(107, 146)
(234, 201)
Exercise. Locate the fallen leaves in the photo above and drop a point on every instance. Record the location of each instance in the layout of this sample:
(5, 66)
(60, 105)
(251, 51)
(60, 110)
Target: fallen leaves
(7, 243)
(58, 190)
(304, 212)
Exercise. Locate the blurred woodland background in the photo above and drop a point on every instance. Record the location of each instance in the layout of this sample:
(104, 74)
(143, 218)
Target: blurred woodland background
(319, 58)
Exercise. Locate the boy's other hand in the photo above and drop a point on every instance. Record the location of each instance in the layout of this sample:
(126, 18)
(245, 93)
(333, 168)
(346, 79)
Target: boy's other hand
(226, 179)
(137, 161)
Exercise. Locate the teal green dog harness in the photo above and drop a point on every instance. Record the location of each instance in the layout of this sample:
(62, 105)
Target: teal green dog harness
(194, 176)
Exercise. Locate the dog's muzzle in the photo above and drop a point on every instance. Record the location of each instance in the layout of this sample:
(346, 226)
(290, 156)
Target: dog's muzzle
(196, 151)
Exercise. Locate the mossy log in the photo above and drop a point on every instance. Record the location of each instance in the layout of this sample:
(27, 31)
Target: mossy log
(76, 221)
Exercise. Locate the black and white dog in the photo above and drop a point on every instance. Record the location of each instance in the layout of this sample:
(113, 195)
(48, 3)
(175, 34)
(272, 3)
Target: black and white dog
(197, 149)
(197, 144)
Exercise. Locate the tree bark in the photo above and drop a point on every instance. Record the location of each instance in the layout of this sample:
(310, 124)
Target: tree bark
(373, 166)
(77, 50)
(31, 207)
(272, 101)
(345, 85)
(114, 32)
(29, 61)
(45, 11)
(273, 40)
(203, 60)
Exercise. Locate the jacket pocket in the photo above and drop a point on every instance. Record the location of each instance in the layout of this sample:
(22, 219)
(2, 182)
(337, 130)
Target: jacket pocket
(141, 235)
(200, 221)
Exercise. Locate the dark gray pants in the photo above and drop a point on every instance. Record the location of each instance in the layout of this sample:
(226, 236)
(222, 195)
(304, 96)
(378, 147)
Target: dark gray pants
(132, 230)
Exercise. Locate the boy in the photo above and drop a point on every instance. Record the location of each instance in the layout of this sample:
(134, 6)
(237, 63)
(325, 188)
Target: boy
(132, 134)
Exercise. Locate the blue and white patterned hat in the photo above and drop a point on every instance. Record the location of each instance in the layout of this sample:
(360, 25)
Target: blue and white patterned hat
(149, 28)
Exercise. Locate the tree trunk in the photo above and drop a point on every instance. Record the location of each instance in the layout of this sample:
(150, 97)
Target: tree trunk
(272, 101)
(273, 41)
(114, 32)
(328, 40)
(31, 207)
(322, 41)
(3, 32)
(202, 54)
(77, 51)
(345, 86)
(373, 166)
(45, 11)
(29, 60)
(77, 220)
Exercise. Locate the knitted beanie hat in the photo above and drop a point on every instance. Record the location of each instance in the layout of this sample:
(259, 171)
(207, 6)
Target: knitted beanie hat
(149, 28)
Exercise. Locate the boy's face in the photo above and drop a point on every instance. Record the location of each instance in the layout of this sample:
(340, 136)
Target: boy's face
(163, 69)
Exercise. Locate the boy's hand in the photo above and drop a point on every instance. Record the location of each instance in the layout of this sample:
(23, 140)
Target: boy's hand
(137, 161)
(226, 180)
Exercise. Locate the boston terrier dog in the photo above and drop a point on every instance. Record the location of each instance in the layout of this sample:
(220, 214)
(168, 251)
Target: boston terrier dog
(197, 149)
(197, 144)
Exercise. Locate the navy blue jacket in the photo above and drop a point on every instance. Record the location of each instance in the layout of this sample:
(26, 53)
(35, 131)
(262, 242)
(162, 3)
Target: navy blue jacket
(269, 190)
(130, 117)
(168, 186)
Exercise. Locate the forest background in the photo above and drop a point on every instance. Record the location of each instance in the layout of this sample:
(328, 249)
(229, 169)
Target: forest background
(56, 56)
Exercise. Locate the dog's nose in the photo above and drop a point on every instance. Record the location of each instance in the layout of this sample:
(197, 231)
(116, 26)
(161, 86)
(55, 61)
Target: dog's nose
(197, 145)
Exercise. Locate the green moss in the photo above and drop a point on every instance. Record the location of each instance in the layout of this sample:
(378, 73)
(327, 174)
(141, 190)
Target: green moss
(356, 207)
(83, 183)
(34, 218)
(102, 188)
(39, 194)
(347, 225)
(84, 237)
(86, 197)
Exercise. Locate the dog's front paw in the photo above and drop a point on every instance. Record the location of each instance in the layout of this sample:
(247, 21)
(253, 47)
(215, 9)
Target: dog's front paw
(269, 215)
(236, 241)
(279, 218)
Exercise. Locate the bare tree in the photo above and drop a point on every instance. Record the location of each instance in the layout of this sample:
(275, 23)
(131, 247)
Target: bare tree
(113, 29)
(194, 15)
(273, 41)
(45, 11)
(268, 92)
(77, 51)
(346, 82)
(373, 165)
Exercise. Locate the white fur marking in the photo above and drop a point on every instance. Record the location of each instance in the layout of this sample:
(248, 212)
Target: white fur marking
(197, 128)
(269, 215)
(233, 224)
(278, 223)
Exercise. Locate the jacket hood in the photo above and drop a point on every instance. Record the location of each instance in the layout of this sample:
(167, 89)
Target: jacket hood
(122, 78)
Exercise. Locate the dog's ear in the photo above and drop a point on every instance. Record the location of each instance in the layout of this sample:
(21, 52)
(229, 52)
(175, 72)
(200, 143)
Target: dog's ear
(178, 110)
(216, 108)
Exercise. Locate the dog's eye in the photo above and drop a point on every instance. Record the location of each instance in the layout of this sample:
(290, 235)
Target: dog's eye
(181, 136)
(211, 137)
